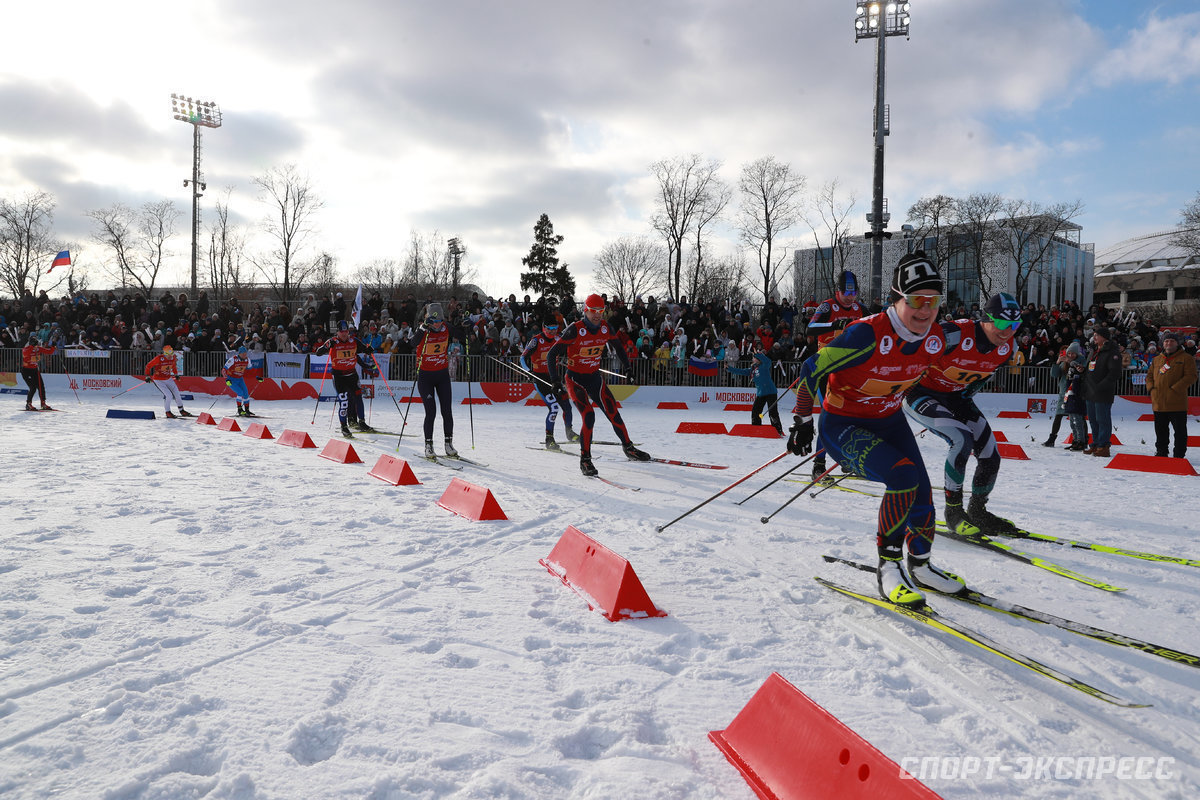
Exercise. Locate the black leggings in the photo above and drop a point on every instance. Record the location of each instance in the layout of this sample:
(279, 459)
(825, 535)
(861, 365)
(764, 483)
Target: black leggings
(434, 388)
(33, 377)
(584, 389)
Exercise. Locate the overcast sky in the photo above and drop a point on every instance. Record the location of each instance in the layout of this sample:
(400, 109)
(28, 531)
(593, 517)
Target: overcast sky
(473, 117)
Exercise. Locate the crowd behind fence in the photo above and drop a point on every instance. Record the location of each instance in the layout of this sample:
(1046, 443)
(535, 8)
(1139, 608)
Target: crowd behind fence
(491, 369)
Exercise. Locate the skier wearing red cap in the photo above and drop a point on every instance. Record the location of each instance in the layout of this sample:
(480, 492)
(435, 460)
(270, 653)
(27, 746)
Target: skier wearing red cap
(533, 359)
(582, 344)
(163, 370)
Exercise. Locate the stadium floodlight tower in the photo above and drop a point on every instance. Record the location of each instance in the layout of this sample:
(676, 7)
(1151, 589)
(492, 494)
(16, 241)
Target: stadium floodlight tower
(878, 20)
(457, 251)
(199, 114)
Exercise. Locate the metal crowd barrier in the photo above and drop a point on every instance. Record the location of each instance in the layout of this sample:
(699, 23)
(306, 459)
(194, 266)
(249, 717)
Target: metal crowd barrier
(645, 372)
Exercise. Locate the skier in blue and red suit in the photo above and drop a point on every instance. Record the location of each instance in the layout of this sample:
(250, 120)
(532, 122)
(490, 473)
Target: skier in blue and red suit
(234, 373)
(433, 377)
(830, 319)
(582, 345)
(867, 369)
(533, 359)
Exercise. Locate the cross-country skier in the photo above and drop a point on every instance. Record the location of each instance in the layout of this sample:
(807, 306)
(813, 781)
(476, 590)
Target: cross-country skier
(533, 359)
(31, 371)
(234, 372)
(868, 368)
(582, 344)
(766, 394)
(433, 377)
(343, 352)
(943, 402)
(830, 318)
(163, 370)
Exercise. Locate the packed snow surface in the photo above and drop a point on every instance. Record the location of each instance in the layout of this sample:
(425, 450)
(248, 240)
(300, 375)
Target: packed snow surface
(187, 612)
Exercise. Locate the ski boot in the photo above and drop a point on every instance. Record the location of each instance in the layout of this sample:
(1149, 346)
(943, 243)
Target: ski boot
(956, 517)
(169, 415)
(429, 449)
(572, 436)
(551, 444)
(587, 467)
(895, 586)
(249, 413)
(241, 412)
(818, 470)
(450, 451)
(987, 522)
(45, 408)
(633, 454)
(183, 412)
(30, 407)
(926, 575)
(346, 433)
(359, 425)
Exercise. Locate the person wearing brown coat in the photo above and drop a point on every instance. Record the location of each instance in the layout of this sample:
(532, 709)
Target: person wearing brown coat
(1171, 374)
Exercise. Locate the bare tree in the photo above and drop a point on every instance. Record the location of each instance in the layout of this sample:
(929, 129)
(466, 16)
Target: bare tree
(383, 275)
(771, 195)
(707, 212)
(136, 240)
(226, 250)
(936, 218)
(27, 244)
(831, 232)
(721, 279)
(685, 185)
(293, 205)
(429, 267)
(1031, 230)
(977, 216)
(1187, 233)
(630, 266)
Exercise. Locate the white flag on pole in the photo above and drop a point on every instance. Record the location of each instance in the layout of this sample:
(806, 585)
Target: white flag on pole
(356, 317)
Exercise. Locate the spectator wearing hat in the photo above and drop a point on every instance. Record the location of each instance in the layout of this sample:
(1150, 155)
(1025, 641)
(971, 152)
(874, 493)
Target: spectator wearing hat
(1070, 365)
(1100, 389)
(1171, 374)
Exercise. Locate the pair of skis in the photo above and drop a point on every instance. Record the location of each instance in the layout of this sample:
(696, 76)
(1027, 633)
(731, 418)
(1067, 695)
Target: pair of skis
(937, 621)
(670, 461)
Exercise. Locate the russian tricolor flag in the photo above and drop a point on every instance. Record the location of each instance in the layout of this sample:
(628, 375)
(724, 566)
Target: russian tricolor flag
(63, 259)
(700, 366)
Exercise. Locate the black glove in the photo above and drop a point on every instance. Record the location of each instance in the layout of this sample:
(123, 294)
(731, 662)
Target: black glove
(838, 324)
(800, 441)
(629, 376)
(556, 389)
(147, 379)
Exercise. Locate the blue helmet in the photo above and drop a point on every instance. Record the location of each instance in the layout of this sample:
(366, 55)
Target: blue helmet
(242, 350)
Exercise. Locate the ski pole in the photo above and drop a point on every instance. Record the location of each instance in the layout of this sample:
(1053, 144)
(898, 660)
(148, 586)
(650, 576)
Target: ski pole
(829, 486)
(408, 403)
(698, 506)
(386, 385)
(70, 380)
(324, 373)
(519, 369)
(140, 380)
(470, 406)
(796, 496)
(797, 466)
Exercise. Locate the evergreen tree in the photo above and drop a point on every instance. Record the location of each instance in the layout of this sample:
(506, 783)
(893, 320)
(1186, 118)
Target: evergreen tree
(546, 276)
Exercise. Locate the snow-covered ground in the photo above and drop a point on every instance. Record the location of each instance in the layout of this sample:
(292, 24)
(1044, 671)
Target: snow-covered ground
(188, 613)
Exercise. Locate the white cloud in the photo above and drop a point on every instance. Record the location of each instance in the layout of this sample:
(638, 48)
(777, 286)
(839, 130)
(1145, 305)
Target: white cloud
(1165, 50)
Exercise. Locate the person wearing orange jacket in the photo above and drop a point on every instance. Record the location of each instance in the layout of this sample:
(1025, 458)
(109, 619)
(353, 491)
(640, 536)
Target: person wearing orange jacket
(31, 371)
(163, 370)
(1170, 376)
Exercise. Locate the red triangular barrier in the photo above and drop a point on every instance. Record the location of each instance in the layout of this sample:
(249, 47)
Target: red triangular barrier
(229, 424)
(1146, 418)
(1012, 451)
(670, 405)
(536, 400)
(1159, 464)
(789, 748)
(602, 578)
(1014, 415)
(393, 470)
(701, 427)
(340, 451)
(1111, 439)
(205, 418)
(739, 406)
(476, 401)
(470, 501)
(1193, 441)
(296, 439)
(258, 430)
(1000, 437)
(754, 431)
